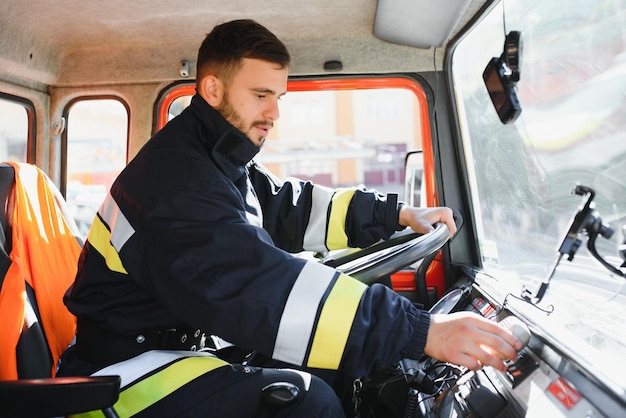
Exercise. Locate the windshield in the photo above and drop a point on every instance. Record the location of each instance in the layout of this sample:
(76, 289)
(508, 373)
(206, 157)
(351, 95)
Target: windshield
(571, 131)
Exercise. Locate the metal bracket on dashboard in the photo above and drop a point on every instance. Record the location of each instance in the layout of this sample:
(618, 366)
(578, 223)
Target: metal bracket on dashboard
(585, 220)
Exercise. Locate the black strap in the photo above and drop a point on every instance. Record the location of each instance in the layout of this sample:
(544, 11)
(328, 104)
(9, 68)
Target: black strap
(7, 179)
(101, 347)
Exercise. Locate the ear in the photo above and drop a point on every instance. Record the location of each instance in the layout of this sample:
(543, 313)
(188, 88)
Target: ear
(212, 90)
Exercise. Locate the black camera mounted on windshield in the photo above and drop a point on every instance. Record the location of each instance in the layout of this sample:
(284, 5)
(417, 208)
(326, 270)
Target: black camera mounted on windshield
(501, 76)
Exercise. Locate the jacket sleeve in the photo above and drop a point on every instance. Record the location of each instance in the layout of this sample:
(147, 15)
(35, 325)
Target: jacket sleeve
(300, 215)
(255, 295)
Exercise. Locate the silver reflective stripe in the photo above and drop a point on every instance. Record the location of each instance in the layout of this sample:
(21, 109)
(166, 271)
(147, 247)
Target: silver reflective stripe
(315, 234)
(298, 319)
(135, 368)
(252, 202)
(121, 230)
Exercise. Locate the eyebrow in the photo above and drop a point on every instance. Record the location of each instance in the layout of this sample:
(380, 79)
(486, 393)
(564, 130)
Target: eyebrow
(268, 91)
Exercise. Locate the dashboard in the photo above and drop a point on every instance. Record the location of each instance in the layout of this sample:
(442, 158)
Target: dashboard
(542, 383)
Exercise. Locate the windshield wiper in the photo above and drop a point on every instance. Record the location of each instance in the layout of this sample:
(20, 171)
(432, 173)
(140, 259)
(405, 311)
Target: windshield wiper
(585, 220)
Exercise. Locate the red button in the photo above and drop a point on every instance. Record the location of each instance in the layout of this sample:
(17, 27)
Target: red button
(564, 393)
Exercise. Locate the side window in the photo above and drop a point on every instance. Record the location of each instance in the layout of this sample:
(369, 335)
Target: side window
(97, 139)
(15, 129)
(340, 133)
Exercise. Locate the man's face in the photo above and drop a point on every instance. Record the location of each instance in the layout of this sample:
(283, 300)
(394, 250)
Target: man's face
(250, 101)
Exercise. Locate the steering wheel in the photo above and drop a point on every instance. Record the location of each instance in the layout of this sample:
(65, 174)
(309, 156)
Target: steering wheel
(400, 250)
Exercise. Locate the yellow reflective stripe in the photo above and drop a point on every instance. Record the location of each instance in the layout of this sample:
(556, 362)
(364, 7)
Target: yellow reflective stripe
(90, 414)
(150, 390)
(100, 239)
(335, 323)
(337, 237)
(109, 232)
(121, 229)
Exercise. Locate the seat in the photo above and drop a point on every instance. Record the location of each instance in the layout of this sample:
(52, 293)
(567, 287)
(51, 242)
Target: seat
(38, 259)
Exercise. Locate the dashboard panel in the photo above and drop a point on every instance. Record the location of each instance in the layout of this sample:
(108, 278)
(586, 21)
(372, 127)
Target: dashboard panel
(542, 383)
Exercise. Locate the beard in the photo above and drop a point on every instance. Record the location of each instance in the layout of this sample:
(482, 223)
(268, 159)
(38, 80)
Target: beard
(229, 113)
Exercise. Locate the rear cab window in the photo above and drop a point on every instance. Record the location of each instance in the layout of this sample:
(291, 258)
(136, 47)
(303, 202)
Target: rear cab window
(16, 128)
(97, 142)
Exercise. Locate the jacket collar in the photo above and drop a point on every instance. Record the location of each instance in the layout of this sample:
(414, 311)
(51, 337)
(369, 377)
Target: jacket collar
(222, 138)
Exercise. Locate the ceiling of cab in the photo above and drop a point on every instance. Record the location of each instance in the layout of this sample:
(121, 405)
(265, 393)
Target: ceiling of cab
(73, 42)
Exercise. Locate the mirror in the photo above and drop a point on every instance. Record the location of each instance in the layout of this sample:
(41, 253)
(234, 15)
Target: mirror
(414, 179)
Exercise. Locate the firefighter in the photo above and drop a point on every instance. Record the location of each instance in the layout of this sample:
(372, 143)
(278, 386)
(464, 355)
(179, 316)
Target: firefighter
(196, 239)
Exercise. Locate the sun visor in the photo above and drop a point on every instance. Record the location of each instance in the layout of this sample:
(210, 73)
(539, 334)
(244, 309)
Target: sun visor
(418, 23)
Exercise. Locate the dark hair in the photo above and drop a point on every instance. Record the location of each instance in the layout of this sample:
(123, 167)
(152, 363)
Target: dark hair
(223, 49)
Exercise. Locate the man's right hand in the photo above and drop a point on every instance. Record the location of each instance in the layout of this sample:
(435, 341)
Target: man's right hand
(467, 339)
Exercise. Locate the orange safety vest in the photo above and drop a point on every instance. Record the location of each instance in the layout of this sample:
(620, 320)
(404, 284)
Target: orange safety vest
(45, 255)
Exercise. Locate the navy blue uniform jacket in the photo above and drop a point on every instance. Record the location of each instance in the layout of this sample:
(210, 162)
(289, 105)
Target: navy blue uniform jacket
(195, 232)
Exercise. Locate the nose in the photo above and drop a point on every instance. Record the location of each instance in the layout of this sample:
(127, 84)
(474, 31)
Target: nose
(272, 112)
